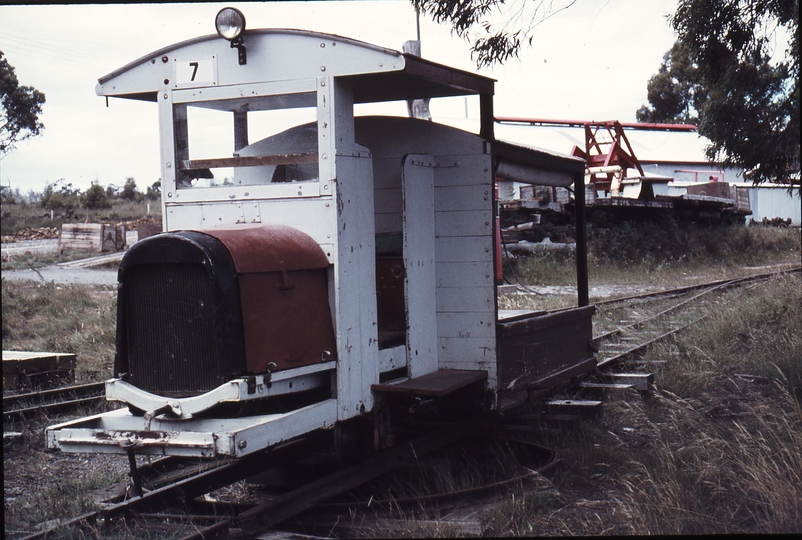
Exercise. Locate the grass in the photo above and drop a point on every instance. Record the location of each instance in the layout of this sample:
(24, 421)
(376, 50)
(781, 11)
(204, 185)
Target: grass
(662, 253)
(62, 318)
(65, 500)
(23, 215)
(717, 448)
(40, 260)
(758, 338)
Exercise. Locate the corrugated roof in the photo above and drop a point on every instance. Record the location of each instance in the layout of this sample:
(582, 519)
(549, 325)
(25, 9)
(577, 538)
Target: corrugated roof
(650, 146)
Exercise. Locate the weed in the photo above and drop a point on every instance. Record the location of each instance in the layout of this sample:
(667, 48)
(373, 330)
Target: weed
(661, 252)
(62, 318)
(39, 260)
(23, 215)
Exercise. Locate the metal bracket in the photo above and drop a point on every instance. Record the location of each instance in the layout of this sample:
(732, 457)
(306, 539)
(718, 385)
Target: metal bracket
(434, 164)
(242, 56)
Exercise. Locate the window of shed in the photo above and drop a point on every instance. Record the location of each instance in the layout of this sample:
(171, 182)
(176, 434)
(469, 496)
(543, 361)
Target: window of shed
(267, 140)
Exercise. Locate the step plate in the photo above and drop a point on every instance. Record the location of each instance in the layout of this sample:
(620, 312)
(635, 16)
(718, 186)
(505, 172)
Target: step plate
(436, 384)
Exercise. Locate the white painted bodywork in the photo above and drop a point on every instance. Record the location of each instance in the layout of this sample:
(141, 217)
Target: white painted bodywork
(114, 431)
(429, 183)
(281, 383)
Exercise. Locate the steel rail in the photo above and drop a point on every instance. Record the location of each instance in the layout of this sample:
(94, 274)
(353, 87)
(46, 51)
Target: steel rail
(19, 405)
(177, 493)
(629, 352)
(51, 407)
(621, 329)
(264, 516)
(689, 288)
(711, 287)
(474, 491)
(41, 395)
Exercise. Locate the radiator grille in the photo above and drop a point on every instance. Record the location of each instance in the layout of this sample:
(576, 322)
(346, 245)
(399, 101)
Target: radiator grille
(170, 329)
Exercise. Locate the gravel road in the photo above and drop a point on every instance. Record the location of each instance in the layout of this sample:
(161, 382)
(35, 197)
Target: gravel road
(56, 274)
(33, 246)
(61, 275)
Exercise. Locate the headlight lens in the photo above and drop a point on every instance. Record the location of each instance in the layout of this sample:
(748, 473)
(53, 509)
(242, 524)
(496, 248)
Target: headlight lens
(230, 23)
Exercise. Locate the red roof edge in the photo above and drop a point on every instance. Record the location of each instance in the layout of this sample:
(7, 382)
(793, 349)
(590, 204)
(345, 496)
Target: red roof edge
(580, 123)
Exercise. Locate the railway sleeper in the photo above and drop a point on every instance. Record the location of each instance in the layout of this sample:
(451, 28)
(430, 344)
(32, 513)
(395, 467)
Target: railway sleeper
(600, 386)
(641, 382)
(586, 409)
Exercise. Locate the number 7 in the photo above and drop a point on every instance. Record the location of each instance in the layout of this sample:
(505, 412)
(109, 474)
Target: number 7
(194, 71)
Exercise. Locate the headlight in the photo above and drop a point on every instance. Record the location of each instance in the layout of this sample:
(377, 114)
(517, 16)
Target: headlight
(230, 23)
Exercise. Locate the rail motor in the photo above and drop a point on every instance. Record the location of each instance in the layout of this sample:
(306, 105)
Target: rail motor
(336, 266)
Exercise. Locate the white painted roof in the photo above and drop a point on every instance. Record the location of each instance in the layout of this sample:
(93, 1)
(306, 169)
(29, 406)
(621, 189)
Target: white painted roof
(649, 145)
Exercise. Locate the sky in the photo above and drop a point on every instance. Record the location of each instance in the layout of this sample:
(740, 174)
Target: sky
(590, 61)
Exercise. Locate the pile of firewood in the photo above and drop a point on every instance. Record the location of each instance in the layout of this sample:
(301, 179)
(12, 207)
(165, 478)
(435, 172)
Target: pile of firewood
(132, 225)
(41, 233)
(45, 233)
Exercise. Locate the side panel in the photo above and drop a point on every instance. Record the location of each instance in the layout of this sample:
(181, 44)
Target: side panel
(533, 348)
(466, 309)
(286, 319)
(419, 257)
(355, 287)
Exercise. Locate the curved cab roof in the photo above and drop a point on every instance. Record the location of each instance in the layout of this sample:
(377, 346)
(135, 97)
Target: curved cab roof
(378, 74)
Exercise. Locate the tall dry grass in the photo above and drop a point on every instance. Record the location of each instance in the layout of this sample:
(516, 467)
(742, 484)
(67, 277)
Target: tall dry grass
(21, 215)
(701, 468)
(62, 318)
(662, 252)
(717, 448)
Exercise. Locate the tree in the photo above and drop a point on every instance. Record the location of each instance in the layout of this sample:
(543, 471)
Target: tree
(9, 196)
(20, 107)
(493, 42)
(673, 92)
(112, 191)
(129, 191)
(60, 195)
(747, 103)
(154, 191)
(95, 198)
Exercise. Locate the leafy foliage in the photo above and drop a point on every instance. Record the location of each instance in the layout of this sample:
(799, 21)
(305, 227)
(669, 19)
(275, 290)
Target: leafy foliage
(7, 196)
(60, 195)
(95, 197)
(154, 192)
(721, 66)
(493, 42)
(20, 107)
(129, 191)
(672, 91)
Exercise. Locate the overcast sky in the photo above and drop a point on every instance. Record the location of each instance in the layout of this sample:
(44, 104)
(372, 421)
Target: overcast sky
(588, 62)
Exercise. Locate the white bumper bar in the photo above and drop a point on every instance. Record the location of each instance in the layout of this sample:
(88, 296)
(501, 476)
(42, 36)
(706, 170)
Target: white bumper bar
(119, 431)
(283, 382)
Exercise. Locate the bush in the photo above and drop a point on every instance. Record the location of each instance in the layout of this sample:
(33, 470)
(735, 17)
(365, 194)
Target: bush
(95, 197)
(60, 196)
(129, 191)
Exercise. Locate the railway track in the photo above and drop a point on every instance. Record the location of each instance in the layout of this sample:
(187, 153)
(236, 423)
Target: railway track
(627, 327)
(166, 503)
(59, 400)
(630, 325)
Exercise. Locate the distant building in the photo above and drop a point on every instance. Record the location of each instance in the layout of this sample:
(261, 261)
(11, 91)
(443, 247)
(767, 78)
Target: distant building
(664, 150)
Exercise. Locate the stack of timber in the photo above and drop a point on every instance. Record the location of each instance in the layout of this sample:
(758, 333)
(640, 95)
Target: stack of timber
(24, 369)
(95, 237)
(40, 233)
